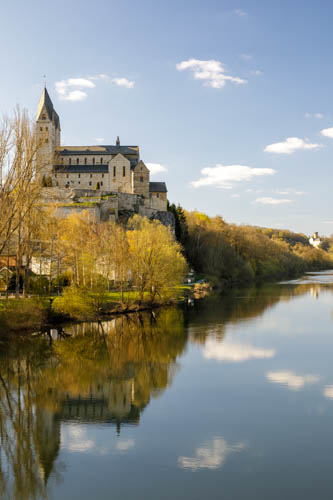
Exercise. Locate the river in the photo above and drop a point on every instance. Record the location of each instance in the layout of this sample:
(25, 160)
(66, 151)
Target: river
(229, 397)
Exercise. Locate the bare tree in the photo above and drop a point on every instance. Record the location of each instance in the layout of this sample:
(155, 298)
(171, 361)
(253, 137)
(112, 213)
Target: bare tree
(21, 184)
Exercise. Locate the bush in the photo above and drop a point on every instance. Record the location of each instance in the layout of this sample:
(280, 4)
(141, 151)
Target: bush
(76, 303)
(27, 313)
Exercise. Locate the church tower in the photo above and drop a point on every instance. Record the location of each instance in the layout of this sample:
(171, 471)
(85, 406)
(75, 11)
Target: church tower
(48, 135)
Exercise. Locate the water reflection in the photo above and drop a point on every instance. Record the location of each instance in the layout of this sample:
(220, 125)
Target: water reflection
(234, 352)
(99, 374)
(211, 455)
(292, 380)
(59, 385)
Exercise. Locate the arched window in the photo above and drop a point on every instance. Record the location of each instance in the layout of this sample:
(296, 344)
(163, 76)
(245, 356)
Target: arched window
(114, 171)
(93, 161)
(85, 161)
(70, 161)
(77, 161)
(124, 171)
(101, 161)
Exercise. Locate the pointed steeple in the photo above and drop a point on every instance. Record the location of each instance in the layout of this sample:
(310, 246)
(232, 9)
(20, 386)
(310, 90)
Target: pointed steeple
(118, 141)
(45, 106)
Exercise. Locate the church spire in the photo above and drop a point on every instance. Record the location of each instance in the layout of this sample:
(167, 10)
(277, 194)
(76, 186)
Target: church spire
(118, 141)
(45, 106)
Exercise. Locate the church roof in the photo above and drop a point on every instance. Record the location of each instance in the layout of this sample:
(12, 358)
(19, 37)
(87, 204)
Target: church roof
(157, 187)
(45, 102)
(82, 169)
(98, 150)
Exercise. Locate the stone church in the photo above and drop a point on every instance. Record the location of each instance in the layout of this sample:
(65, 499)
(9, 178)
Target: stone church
(88, 171)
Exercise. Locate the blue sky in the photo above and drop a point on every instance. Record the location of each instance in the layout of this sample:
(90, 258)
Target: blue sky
(232, 98)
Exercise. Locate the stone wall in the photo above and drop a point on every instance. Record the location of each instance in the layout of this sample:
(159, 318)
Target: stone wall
(120, 174)
(140, 180)
(82, 180)
(105, 206)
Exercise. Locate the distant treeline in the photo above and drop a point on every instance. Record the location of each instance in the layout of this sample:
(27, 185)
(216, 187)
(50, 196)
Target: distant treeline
(230, 254)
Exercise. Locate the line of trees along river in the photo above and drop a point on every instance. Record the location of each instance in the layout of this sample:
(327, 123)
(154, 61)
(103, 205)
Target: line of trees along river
(97, 265)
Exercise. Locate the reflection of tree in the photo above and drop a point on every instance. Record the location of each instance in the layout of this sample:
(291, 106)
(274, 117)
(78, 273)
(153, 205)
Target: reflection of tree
(103, 373)
(20, 425)
(213, 313)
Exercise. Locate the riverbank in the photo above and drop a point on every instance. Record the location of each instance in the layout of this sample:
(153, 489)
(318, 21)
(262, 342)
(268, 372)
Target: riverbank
(28, 314)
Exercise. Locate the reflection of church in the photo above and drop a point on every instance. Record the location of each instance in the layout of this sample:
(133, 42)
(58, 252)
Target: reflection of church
(111, 403)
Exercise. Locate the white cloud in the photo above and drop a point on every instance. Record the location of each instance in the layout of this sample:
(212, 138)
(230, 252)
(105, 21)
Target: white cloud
(272, 201)
(75, 95)
(314, 115)
(211, 455)
(123, 82)
(156, 168)
(223, 176)
(240, 12)
(125, 444)
(211, 72)
(290, 145)
(327, 132)
(235, 352)
(99, 140)
(287, 191)
(256, 72)
(292, 380)
(328, 392)
(71, 89)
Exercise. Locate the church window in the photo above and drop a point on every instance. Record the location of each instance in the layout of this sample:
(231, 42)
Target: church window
(85, 161)
(90, 176)
(101, 183)
(79, 182)
(70, 161)
(114, 171)
(62, 160)
(101, 160)
(124, 171)
(41, 128)
(77, 161)
(93, 161)
(89, 183)
(79, 176)
(43, 117)
(141, 179)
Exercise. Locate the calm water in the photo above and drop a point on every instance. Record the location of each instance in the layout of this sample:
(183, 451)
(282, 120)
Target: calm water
(231, 398)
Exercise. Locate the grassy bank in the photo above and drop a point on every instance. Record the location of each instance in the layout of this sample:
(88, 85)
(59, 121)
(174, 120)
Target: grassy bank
(26, 314)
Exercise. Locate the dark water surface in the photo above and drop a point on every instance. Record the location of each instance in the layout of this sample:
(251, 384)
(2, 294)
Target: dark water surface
(229, 399)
